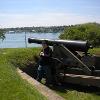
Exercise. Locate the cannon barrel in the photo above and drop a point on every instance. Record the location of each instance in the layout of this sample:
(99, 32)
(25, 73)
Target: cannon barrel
(72, 45)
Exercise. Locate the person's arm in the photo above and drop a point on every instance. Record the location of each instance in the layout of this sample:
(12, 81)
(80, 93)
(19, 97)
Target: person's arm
(48, 53)
(41, 53)
(44, 54)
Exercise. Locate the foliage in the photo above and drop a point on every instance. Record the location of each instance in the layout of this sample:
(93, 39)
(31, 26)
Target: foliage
(2, 36)
(89, 31)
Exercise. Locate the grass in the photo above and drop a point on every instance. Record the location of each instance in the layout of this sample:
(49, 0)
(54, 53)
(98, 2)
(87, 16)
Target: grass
(76, 92)
(95, 51)
(12, 87)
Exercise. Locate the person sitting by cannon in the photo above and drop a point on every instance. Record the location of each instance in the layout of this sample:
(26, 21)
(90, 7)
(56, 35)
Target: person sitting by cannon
(44, 63)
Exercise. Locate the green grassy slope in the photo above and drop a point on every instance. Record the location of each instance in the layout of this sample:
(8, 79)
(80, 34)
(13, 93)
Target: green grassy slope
(12, 87)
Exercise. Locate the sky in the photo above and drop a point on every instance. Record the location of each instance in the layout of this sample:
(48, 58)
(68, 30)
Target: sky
(28, 13)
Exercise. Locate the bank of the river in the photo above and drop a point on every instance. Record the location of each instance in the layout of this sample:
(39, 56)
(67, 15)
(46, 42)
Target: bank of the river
(12, 87)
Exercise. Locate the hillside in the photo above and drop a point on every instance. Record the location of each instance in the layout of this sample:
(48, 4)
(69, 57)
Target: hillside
(12, 87)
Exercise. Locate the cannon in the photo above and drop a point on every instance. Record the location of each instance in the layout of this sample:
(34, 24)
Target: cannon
(72, 62)
(72, 45)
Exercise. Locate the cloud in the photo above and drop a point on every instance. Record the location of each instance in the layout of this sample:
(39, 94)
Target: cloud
(44, 19)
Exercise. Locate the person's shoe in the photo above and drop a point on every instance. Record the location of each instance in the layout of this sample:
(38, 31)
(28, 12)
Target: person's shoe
(56, 84)
(38, 80)
(48, 84)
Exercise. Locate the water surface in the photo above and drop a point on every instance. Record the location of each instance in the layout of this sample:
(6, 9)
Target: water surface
(17, 40)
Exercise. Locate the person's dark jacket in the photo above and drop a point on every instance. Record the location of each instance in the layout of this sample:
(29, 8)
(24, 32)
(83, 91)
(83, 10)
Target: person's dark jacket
(46, 60)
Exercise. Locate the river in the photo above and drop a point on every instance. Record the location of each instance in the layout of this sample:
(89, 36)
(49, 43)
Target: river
(17, 40)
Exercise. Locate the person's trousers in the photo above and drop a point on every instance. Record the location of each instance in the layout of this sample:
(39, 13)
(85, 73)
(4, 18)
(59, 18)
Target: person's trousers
(44, 70)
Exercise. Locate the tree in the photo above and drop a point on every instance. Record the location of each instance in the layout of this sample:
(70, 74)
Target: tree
(2, 36)
(89, 32)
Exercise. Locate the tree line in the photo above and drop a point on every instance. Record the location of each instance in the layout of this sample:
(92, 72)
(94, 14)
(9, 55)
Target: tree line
(51, 29)
(2, 35)
(88, 31)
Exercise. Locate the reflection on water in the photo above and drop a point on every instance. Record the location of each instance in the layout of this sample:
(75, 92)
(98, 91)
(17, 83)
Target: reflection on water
(17, 40)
